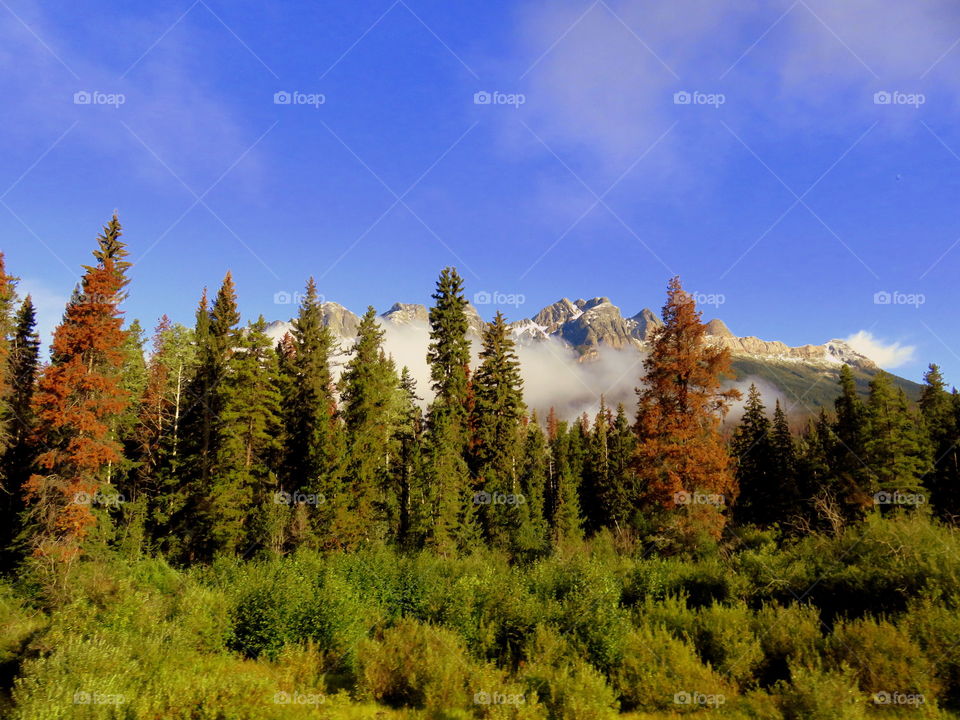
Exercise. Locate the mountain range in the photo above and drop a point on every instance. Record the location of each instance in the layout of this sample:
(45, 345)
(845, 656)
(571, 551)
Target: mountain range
(597, 343)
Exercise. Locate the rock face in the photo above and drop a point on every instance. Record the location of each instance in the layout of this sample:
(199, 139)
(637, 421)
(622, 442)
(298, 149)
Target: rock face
(598, 324)
(342, 322)
(644, 323)
(552, 317)
(407, 314)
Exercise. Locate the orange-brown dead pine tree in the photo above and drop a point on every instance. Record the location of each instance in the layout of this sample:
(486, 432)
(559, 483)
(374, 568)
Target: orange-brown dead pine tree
(78, 396)
(681, 459)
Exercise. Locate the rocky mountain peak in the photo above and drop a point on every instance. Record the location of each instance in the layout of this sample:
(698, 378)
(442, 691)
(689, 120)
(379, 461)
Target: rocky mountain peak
(644, 323)
(555, 315)
(718, 328)
(406, 313)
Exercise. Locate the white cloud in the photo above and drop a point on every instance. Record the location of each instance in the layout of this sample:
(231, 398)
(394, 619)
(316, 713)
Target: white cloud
(886, 355)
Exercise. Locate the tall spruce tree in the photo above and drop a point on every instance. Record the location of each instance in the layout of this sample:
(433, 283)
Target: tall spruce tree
(751, 448)
(940, 418)
(78, 400)
(495, 448)
(449, 493)
(412, 507)
(372, 411)
(854, 482)
(896, 449)
(783, 464)
(8, 296)
(216, 334)
(598, 473)
(18, 458)
(247, 431)
(620, 494)
(449, 351)
(315, 452)
(532, 536)
(679, 450)
(563, 481)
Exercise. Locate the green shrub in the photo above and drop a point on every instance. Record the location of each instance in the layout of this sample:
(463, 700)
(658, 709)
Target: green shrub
(417, 666)
(268, 610)
(787, 635)
(816, 695)
(564, 682)
(883, 659)
(936, 629)
(659, 671)
(724, 638)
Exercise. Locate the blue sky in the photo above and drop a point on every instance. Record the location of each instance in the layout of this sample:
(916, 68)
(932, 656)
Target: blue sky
(786, 187)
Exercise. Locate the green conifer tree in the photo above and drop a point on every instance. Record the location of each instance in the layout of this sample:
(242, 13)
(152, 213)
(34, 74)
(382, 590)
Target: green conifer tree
(315, 451)
(495, 448)
(372, 412)
(751, 448)
(897, 451)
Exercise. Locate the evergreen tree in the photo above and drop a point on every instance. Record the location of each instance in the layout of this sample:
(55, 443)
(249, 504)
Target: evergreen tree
(783, 464)
(412, 506)
(78, 399)
(620, 493)
(314, 456)
(495, 449)
(816, 483)
(752, 448)
(897, 451)
(449, 351)
(847, 463)
(216, 334)
(531, 537)
(449, 493)
(598, 474)
(372, 410)
(247, 431)
(17, 461)
(940, 418)
(8, 296)
(680, 407)
(563, 481)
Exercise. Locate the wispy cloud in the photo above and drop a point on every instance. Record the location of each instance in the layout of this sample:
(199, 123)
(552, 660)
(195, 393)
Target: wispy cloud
(885, 354)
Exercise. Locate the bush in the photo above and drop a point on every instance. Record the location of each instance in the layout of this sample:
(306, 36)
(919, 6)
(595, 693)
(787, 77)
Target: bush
(816, 695)
(883, 659)
(724, 638)
(565, 683)
(936, 629)
(787, 635)
(415, 665)
(658, 667)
